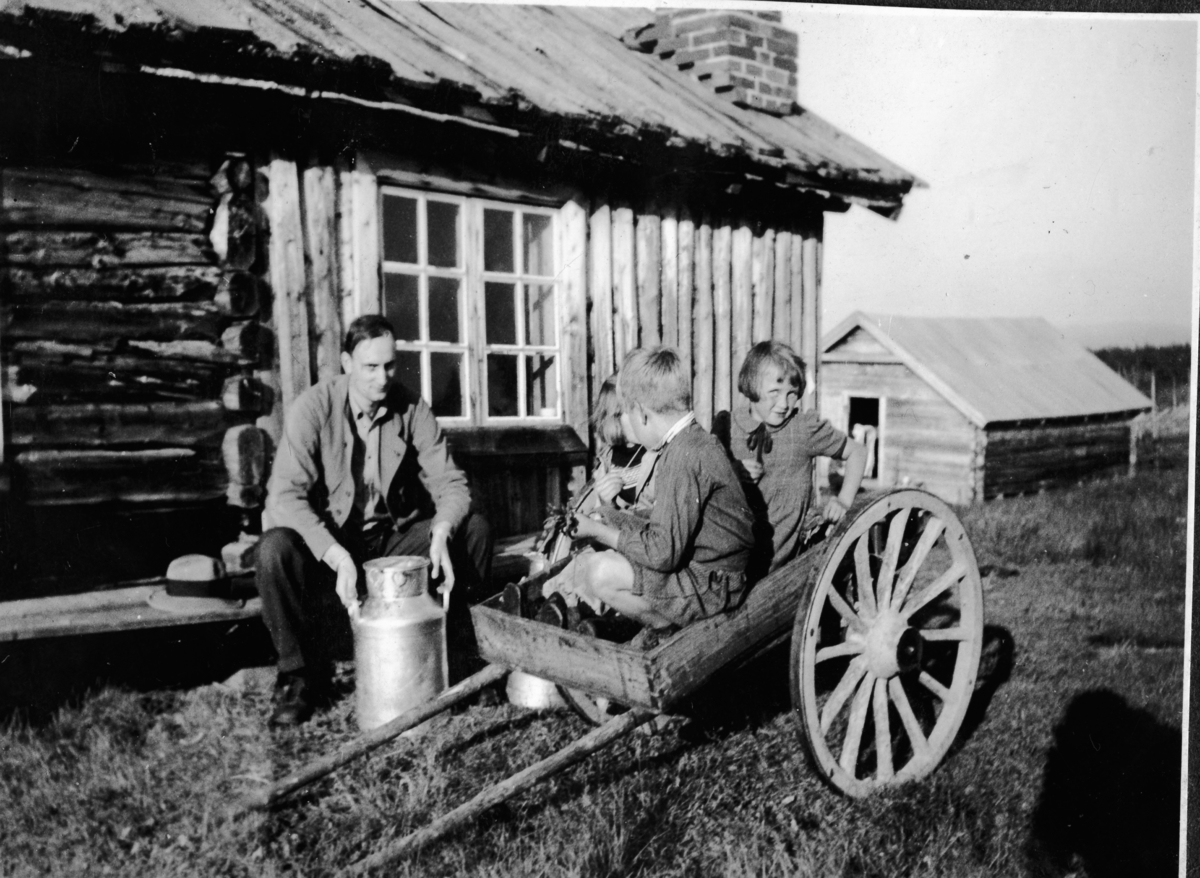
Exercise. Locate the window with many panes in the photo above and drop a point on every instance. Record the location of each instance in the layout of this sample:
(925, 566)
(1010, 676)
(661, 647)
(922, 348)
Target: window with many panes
(470, 286)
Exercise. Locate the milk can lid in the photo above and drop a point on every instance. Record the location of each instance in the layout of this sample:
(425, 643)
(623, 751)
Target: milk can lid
(398, 562)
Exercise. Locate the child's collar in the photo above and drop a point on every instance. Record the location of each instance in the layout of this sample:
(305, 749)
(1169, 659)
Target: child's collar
(676, 428)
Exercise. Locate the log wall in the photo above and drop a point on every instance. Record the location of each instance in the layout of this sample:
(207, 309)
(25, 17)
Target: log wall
(131, 331)
(709, 286)
(1024, 459)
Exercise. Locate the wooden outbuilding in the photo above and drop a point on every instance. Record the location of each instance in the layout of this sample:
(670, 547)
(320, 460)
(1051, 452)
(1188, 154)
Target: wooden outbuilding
(974, 408)
(195, 199)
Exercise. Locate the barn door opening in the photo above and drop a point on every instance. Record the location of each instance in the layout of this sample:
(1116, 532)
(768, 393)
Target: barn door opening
(864, 420)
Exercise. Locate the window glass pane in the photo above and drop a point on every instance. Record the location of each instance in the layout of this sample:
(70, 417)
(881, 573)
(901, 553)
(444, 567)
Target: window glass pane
(541, 386)
(441, 223)
(497, 240)
(539, 314)
(538, 241)
(443, 309)
(408, 370)
(502, 385)
(399, 229)
(401, 306)
(498, 312)
(445, 379)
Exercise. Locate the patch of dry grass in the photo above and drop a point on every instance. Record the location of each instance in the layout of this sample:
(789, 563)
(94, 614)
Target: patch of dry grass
(146, 784)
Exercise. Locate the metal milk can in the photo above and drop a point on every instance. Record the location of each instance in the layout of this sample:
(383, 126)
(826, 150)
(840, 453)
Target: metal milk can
(399, 641)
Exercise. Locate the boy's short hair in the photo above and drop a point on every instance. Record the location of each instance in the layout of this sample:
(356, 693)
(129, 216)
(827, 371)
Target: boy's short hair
(656, 379)
(365, 328)
(770, 353)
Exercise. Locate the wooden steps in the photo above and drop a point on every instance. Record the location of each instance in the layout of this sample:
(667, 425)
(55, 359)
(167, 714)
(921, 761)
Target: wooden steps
(117, 609)
(128, 608)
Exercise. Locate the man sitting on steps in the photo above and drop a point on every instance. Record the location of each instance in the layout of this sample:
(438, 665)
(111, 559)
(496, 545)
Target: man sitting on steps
(362, 471)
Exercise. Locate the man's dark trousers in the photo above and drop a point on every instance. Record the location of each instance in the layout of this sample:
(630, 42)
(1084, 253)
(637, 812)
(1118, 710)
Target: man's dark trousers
(296, 588)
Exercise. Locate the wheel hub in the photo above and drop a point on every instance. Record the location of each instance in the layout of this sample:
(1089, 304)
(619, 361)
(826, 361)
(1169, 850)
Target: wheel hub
(892, 647)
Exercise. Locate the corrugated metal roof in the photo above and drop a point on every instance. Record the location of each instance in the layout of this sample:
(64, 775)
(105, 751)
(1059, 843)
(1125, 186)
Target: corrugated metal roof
(999, 369)
(516, 62)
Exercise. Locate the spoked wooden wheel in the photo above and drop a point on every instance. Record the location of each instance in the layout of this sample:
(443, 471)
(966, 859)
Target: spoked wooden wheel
(885, 654)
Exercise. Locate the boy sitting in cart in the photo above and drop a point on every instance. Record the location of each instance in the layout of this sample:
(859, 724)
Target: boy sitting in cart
(687, 560)
(774, 444)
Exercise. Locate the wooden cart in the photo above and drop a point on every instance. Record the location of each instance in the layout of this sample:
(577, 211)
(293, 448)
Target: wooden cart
(885, 616)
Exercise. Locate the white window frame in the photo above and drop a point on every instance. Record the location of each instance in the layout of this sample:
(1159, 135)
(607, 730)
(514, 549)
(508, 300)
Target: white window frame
(474, 347)
(880, 429)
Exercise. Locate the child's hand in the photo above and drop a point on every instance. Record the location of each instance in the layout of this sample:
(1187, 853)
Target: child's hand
(752, 468)
(834, 510)
(608, 487)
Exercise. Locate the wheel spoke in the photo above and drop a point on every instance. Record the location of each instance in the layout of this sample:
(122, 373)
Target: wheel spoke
(935, 687)
(912, 728)
(854, 726)
(943, 582)
(933, 530)
(862, 572)
(845, 686)
(883, 733)
(847, 647)
(891, 556)
(958, 633)
(845, 610)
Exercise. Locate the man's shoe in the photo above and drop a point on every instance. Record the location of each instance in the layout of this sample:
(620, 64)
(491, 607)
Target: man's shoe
(295, 700)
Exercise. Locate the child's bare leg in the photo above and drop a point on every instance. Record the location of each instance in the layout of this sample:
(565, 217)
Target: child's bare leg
(609, 576)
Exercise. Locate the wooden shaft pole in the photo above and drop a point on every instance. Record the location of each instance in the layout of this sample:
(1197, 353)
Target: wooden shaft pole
(595, 740)
(381, 735)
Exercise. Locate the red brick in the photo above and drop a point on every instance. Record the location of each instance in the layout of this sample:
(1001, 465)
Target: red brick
(736, 51)
(743, 23)
(786, 36)
(792, 80)
(785, 64)
(691, 57)
(775, 17)
(754, 70)
(779, 47)
(754, 42)
(726, 35)
(666, 47)
(699, 24)
(776, 76)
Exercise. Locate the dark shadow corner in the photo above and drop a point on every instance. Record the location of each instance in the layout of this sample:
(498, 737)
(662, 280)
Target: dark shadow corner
(1110, 793)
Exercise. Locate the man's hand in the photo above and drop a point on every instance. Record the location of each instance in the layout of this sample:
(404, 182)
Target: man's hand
(347, 577)
(608, 487)
(439, 557)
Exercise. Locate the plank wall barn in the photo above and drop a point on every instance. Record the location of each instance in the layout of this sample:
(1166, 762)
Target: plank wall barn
(977, 408)
(195, 200)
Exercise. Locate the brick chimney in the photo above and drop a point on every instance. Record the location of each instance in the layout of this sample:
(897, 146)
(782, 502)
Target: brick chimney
(744, 56)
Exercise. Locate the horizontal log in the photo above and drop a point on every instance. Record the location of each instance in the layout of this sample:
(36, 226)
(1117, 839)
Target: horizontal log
(1055, 435)
(179, 283)
(92, 249)
(118, 377)
(248, 395)
(174, 350)
(100, 424)
(239, 294)
(101, 321)
(79, 199)
(51, 478)
(249, 341)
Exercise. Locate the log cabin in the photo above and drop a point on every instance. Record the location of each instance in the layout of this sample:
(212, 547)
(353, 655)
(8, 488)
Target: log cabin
(195, 199)
(975, 408)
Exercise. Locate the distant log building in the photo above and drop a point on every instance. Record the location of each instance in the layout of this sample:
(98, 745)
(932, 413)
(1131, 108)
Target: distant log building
(976, 408)
(195, 200)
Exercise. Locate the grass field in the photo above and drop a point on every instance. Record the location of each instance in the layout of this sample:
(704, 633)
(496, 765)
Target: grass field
(1068, 764)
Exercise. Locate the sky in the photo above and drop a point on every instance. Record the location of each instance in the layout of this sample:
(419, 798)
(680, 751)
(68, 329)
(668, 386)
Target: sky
(1058, 152)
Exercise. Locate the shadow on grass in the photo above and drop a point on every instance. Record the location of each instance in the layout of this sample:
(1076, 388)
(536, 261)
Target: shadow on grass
(995, 667)
(38, 677)
(1110, 793)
